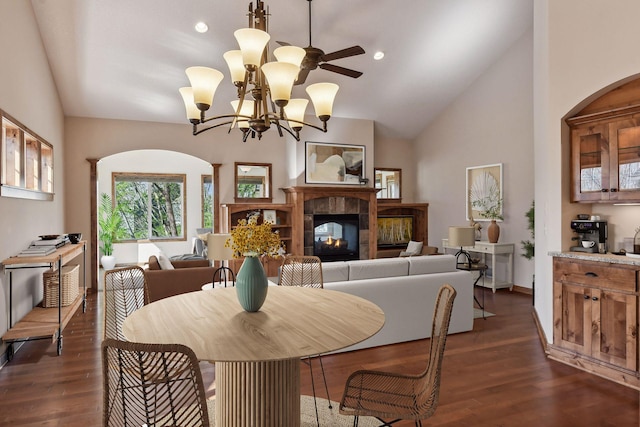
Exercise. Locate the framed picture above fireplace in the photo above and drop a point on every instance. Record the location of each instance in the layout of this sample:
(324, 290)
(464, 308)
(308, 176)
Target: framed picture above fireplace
(328, 163)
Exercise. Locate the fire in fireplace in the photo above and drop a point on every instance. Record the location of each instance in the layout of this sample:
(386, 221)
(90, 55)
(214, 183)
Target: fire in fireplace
(336, 237)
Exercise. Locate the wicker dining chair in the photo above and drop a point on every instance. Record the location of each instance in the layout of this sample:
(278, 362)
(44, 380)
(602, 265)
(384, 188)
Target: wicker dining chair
(152, 385)
(387, 395)
(124, 293)
(305, 271)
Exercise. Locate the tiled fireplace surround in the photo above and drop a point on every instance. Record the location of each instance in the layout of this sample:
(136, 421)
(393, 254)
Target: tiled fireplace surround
(308, 201)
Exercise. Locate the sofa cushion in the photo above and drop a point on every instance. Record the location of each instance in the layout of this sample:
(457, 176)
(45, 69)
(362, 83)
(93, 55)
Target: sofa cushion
(337, 271)
(165, 263)
(375, 268)
(431, 264)
(413, 248)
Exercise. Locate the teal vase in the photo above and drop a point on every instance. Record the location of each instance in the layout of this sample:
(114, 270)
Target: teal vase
(251, 284)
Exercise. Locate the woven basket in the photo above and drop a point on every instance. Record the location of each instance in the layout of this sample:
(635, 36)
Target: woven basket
(69, 286)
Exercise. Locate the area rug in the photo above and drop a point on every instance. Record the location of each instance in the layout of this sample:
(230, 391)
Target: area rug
(328, 417)
(477, 313)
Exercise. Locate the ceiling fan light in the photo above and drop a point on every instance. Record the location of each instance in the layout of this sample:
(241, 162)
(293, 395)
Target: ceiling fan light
(280, 76)
(322, 96)
(193, 113)
(295, 110)
(204, 82)
(252, 43)
(246, 110)
(236, 67)
(291, 54)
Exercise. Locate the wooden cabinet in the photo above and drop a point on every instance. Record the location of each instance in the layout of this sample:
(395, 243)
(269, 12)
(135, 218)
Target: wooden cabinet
(596, 317)
(605, 148)
(231, 213)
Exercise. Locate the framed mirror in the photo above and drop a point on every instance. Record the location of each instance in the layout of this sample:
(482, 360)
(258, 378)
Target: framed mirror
(389, 182)
(253, 182)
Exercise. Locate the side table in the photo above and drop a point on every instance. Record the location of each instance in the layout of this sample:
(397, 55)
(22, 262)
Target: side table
(495, 251)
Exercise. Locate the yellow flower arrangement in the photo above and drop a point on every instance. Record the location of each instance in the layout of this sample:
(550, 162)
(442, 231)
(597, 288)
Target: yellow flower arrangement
(252, 239)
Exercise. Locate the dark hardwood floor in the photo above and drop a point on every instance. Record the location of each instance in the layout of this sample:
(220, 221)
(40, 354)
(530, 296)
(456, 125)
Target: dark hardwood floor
(496, 375)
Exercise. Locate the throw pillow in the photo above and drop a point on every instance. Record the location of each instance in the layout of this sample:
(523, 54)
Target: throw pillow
(414, 248)
(165, 263)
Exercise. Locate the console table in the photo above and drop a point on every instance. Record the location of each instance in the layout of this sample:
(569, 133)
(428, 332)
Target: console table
(44, 323)
(495, 250)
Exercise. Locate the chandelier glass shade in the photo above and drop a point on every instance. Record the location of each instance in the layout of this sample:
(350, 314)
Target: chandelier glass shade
(263, 87)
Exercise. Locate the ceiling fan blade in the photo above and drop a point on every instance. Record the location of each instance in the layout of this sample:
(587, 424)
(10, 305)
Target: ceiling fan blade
(341, 70)
(302, 77)
(283, 43)
(350, 51)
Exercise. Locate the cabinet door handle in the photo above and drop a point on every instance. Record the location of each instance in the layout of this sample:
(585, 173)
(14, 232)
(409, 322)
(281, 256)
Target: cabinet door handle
(590, 274)
(586, 297)
(595, 298)
(605, 190)
(614, 190)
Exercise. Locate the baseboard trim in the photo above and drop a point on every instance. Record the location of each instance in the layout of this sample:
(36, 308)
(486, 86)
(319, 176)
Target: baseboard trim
(541, 334)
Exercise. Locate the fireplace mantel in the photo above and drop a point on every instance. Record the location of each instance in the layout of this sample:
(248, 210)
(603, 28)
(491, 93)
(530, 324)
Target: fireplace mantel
(339, 200)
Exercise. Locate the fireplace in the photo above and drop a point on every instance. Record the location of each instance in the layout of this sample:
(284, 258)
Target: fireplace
(336, 237)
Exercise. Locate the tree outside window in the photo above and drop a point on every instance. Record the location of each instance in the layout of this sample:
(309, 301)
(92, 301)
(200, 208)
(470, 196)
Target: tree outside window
(152, 206)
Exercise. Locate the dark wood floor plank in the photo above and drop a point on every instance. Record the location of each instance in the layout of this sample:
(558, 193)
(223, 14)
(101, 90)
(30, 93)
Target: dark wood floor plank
(495, 375)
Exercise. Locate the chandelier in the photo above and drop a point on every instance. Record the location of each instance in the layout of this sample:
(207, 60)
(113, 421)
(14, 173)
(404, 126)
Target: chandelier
(264, 87)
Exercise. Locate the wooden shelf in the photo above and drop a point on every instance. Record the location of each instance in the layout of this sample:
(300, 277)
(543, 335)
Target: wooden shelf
(42, 323)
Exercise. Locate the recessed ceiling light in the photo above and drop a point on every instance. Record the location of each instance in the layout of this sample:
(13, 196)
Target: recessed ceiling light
(378, 55)
(201, 27)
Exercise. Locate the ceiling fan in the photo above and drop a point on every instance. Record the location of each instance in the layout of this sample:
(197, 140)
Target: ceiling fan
(316, 57)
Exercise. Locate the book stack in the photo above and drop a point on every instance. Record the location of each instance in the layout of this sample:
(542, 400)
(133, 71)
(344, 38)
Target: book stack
(59, 242)
(37, 250)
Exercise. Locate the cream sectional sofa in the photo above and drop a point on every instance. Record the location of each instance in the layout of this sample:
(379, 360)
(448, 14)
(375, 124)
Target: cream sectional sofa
(406, 290)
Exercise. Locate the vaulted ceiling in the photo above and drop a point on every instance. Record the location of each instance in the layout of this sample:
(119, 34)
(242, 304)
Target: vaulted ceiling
(125, 59)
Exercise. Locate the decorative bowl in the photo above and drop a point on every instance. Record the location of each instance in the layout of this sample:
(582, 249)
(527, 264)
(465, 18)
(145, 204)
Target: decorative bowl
(49, 236)
(74, 237)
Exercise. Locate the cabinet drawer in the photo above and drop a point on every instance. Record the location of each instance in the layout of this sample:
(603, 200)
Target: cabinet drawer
(482, 247)
(594, 274)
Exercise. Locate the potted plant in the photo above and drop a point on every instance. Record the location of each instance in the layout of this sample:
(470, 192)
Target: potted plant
(490, 208)
(109, 221)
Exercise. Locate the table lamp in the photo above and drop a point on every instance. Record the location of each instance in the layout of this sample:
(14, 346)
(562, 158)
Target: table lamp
(462, 236)
(218, 251)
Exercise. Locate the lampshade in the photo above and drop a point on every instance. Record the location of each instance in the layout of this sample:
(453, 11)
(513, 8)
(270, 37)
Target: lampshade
(246, 110)
(322, 96)
(295, 110)
(291, 54)
(236, 67)
(252, 43)
(216, 249)
(193, 113)
(280, 76)
(462, 236)
(204, 82)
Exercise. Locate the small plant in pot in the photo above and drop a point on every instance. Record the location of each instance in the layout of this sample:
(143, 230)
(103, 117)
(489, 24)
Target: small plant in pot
(490, 208)
(109, 221)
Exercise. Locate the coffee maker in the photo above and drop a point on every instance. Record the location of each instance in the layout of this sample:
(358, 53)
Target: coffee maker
(590, 231)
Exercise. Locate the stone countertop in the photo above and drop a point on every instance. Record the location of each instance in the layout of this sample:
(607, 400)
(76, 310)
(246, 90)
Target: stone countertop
(608, 257)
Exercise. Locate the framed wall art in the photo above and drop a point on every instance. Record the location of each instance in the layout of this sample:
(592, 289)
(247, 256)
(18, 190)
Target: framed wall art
(484, 193)
(328, 163)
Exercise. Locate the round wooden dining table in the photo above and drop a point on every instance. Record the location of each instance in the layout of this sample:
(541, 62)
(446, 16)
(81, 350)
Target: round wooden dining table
(257, 355)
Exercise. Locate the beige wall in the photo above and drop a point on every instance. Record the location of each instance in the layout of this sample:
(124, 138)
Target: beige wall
(491, 122)
(27, 93)
(581, 47)
(398, 153)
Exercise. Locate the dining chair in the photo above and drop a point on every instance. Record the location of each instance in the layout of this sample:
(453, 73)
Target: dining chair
(124, 293)
(305, 271)
(388, 395)
(152, 385)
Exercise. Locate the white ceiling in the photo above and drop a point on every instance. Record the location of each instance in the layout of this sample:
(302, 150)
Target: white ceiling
(125, 59)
